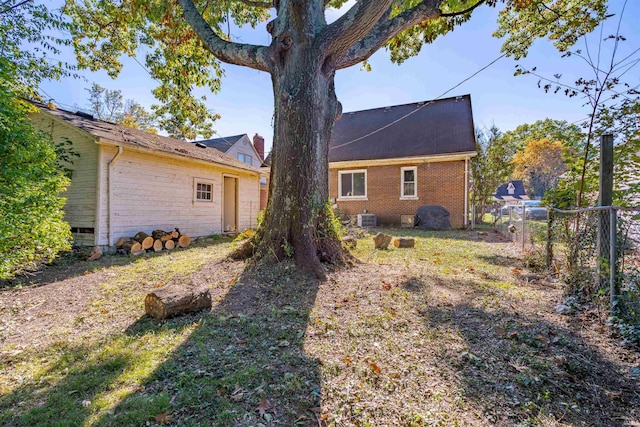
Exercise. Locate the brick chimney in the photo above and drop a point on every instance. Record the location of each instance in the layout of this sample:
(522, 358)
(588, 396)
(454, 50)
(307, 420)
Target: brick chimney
(258, 143)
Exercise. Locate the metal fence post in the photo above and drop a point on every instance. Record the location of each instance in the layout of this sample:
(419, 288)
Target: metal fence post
(549, 238)
(614, 290)
(524, 223)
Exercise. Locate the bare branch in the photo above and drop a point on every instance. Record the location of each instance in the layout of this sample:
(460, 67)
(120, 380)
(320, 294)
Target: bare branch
(252, 56)
(383, 32)
(337, 38)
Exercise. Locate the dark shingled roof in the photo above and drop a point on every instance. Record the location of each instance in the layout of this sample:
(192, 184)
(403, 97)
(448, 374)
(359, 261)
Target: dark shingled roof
(221, 144)
(427, 128)
(519, 193)
(126, 136)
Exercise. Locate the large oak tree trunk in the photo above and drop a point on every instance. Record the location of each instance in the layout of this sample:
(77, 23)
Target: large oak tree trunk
(296, 222)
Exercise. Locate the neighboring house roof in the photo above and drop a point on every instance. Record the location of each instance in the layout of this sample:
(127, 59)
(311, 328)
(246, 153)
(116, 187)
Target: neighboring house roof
(513, 190)
(221, 144)
(118, 134)
(224, 144)
(419, 129)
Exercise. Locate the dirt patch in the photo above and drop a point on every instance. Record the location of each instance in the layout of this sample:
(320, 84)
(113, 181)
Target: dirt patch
(453, 332)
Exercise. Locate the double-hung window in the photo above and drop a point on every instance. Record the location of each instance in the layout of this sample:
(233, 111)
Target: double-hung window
(409, 182)
(352, 184)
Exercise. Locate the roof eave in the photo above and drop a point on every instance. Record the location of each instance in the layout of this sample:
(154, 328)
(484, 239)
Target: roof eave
(447, 157)
(135, 147)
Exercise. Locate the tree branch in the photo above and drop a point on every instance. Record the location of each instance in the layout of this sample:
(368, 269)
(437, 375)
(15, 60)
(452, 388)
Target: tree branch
(463, 12)
(384, 31)
(252, 56)
(337, 38)
(15, 6)
(253, 3)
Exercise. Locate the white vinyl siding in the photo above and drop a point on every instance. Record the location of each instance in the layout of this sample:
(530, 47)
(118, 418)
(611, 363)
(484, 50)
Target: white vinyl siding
(409, 182)
(352, 184)
(153, 192)
(81, 194)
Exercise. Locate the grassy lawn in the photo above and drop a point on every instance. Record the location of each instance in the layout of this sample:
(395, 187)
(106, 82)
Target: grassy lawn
(452, 332)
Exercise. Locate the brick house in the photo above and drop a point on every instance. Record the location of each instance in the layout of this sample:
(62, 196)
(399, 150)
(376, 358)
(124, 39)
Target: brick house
(389, 161)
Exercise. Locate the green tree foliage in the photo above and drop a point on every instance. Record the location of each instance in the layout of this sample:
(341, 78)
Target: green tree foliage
(613, 108)
(108, 105)
(30, 36)
(491, 168)
(544, 150)
(32, 173)
(31, 179)
(569, 134)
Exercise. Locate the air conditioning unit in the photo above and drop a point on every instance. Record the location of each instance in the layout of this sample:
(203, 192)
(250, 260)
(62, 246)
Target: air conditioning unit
(367, 220)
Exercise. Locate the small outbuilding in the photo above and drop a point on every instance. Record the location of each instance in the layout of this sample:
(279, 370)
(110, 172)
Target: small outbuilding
(127, 180)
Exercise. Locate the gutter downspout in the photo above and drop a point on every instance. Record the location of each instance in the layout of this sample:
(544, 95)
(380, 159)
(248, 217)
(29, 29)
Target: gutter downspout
(110, 192)
(466, 191)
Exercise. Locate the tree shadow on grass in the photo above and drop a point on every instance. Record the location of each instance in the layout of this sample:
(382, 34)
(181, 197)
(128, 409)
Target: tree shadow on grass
(240, 364)
(524, 370)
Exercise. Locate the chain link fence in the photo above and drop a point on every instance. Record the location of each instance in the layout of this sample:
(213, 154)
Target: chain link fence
(596, 252)
(524, 225)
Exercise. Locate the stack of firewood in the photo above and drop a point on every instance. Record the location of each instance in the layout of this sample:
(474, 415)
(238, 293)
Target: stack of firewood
(157, 241)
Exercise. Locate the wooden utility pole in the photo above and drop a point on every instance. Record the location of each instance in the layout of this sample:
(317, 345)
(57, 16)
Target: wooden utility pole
(606, 224)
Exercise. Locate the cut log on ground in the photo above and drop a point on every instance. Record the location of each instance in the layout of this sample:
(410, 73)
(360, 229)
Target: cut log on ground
(173, 300)
(147, 243)
(166, 237)
(157, 245)
(95, 254)
(175, 234)
(158, 234)
(404, 242)
(184, 241)
(121, 241)
(140, 236)
(169, 244)
(131, 246)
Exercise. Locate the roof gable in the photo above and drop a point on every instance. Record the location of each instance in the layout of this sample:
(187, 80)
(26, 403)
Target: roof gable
(411, 130)
(126, 136)
(222, 144)
(513, 190)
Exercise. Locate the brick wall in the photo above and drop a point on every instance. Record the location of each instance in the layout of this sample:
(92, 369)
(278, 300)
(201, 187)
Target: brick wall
(439, 183)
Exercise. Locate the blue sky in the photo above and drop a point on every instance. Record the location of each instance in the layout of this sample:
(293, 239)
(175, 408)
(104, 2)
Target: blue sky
(246, 100)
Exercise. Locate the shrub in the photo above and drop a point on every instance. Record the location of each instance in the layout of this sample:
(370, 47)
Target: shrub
(31, 180)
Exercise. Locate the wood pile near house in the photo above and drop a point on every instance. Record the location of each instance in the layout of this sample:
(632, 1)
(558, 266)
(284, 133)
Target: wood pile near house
(158, 240)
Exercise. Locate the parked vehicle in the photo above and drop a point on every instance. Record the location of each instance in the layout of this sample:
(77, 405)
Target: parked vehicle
(536, 213)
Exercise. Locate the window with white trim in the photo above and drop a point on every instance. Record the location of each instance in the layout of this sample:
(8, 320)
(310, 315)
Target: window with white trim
(203, 191)
(352, 184)
(409, 182)
(241, 157)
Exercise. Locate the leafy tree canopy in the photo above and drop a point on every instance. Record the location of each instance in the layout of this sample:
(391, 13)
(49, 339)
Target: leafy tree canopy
(179, 60)
(540, 165)
(30, 36)
(108, 105)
